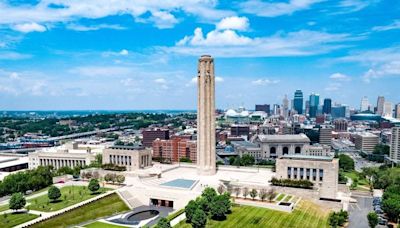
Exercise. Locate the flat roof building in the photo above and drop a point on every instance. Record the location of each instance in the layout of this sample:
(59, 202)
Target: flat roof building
(274, 146)
(365, 141)
(321, 170)
(173, 150)
(70, 154)
(133, 158)
(395, 145)
(149, 135)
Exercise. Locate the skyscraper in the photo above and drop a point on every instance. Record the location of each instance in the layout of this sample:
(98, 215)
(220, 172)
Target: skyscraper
(327, 108)
(263, 107)
(364, 104)
(387, 109)
(397, 111)
(298, 101)
(206, 116)
(314, 103)
(285, 106)
(379, 105)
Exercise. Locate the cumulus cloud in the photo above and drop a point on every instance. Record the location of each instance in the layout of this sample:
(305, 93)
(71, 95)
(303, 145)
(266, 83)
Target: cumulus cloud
(333, 87)
(339, 77)
(264, 81)
(29, 27)
(159, 12)
(387, 69)
(234, 23)
(229, 43)
(92, 71)
(160, 81)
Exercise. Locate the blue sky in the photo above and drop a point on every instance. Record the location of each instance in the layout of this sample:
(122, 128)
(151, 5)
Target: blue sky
(130, 54)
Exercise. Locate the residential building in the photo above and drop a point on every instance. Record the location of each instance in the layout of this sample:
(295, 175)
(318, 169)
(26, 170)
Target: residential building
(321, 170)
(173, 150)
(131, 157)
(365, 141)
(395, 145)
(149, 135)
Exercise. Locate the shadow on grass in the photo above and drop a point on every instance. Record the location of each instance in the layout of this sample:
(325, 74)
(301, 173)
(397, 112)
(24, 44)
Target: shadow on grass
(56, 201)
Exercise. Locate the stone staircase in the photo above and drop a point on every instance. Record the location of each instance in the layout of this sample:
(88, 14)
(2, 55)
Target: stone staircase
(129, 199)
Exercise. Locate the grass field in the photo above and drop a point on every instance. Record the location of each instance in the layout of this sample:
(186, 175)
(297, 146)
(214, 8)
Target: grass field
(4, 207)
(287, 198)
(354, 175)
(102, 225)
(306, 214)
(12, 219)
(280, 197)
(70, 195)
(106, 206)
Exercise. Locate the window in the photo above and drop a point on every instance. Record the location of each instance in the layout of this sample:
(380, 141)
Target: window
(314, 174)
(321, 175)
(295, 173)
(308, 174)
(272, 150)
(297, 150)
(285, 150)
(301, 173)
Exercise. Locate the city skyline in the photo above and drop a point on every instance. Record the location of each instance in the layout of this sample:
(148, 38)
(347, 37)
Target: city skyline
(57, 55)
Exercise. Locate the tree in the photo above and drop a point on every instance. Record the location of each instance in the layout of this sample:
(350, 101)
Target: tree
(218, 207)
(53, 193)
(120, 179)
(271, 194)
(199, 219)
(245, 192)
(333, 220)
(190, 208)
(17, 201)
(209, 194)
(372, 219)
(237, 191)
(263, 194)
(163, 223)
(391, 206)
(253, 193)
(221, 189)
(94, 185)
(346, 163)
(247, 160)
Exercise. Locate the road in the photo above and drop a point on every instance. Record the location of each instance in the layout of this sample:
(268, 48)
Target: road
(358, 212)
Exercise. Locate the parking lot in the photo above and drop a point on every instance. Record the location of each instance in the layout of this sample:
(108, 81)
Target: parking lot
(358, 212)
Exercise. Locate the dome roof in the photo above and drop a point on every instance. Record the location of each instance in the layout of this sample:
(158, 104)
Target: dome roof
(231, 113)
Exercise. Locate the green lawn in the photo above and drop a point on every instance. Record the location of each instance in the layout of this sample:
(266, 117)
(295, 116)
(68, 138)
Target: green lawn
(280, 197)
(287, 198)
(353, 175)
(306, 214)
(13, 219)
(4, 207)
(72, 194)
(106, 206)
(102, 225)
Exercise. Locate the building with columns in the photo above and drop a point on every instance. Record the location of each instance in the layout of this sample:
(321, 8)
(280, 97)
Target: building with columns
(131, 157)
(206, 116)
(274, 146)
(70, 154)
(323, 171)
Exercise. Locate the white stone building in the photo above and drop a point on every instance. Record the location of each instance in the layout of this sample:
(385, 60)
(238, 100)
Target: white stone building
(133, 158)
(274, 146)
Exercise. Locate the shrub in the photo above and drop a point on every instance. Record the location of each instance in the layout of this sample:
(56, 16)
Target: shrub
(253, 193)
(163, 223)
(94, 185)
(53, 193)
(292, 183)
(372, 219)
(17, 201)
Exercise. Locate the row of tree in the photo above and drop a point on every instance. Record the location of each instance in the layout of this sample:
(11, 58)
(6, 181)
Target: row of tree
(114, 178)
(33, 180)
(209, 204)
(338, 219)
(292, 183)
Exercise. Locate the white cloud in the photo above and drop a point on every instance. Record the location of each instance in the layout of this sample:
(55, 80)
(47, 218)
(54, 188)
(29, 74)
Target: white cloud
(228, 43)
(392, 26)
(160, 81)
(265, 81)
(160, 12)
(387, 69)
(127, 82)
(339, 77)
(274, 9)
(355, 5)
(85, 28)
(11, 55)
(124, 52)
(105, 71)
(234, 23)
(219, 79)
(29, 27)
(14, 75)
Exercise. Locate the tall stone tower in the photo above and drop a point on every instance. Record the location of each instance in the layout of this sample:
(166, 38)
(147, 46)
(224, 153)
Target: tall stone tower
(206, 116)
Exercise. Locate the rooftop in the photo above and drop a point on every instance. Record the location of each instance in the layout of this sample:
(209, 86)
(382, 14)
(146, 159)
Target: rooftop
(244, 144)
(301, 138)
(307, 157)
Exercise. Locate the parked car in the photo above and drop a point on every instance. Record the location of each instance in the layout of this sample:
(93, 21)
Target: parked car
(382, 221)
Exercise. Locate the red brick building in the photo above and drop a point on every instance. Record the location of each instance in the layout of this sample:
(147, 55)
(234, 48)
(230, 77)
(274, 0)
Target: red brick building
(149, 135)
(173, 150)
